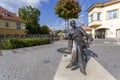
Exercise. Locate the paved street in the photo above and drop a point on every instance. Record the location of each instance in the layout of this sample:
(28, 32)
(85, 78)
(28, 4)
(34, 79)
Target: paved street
(108, 55)
(41, 62)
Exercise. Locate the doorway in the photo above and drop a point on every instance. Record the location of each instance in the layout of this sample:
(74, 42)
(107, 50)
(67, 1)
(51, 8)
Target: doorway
(100, 33)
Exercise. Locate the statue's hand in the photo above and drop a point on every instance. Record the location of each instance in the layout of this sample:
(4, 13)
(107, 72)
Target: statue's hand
(66, 38)
(74, 36)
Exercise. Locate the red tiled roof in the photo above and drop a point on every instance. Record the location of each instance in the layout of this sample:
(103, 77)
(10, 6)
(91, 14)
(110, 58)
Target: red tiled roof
(99, 3)
(86, 28)
(9, 15)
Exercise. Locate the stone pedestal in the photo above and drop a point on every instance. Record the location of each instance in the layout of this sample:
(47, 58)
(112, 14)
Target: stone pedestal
(94, 70)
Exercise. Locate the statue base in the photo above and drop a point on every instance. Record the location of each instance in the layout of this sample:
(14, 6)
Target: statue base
(94, 70)
(67, 50)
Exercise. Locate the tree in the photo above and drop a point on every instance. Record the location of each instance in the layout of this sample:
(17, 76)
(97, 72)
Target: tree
(31, 15)
(44, 29)
(67, 9)
(58, 31)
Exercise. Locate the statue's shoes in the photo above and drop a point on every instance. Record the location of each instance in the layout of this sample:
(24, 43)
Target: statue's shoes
(83, 71)
(69, 65)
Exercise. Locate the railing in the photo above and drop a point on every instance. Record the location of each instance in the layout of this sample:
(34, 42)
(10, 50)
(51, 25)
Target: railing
(23, 36)
(5, 36)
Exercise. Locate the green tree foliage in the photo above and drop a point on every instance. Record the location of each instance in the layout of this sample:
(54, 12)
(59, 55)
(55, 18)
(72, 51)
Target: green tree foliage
(67, 9)
(31, 15)
(12, 43)
(44, 29)
(58, 31)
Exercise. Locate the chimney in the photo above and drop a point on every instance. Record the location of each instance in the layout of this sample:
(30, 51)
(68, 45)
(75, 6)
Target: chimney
(17, 15)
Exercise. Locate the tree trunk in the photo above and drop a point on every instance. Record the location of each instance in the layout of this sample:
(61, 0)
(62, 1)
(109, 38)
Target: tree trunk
(68, 24)
(69, 41)
(65, 28)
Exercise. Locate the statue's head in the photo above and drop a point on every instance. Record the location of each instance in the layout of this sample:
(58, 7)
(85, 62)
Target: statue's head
(73, 23)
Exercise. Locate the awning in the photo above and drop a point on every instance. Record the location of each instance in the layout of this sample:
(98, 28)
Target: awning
(118, 29)
(102, 27)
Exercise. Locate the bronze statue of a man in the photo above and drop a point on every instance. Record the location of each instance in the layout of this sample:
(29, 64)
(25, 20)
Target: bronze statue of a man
(77, 34)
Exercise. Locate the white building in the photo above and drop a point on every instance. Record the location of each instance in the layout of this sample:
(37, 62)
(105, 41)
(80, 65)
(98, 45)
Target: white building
(104, 19)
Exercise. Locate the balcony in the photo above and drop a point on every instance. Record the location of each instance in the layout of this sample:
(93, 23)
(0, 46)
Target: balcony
(95, 23)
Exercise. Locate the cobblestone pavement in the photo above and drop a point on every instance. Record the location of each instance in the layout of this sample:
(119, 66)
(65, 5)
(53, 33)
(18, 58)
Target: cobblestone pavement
(33, 63)
(41, 62)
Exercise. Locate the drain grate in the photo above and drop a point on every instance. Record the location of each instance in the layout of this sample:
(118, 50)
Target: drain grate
(46, 61)
(25, 49)
(14, 51)
(65, 55)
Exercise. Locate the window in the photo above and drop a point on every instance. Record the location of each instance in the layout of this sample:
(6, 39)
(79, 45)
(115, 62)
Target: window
(91, 18)
(6, 24)
(18, 26)
(98, 16)
(112, 14)
(4, 14)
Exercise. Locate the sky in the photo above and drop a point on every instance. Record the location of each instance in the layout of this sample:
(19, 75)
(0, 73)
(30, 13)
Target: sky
(47, 9)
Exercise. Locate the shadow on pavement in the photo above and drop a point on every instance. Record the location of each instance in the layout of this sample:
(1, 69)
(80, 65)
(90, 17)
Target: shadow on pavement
(86, 57)
(62, 50)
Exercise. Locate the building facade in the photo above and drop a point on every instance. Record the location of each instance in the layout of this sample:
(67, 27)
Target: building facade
(10, 23)
(104, 19)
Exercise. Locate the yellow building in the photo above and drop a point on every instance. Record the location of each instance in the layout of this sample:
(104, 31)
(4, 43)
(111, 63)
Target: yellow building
(10, 23)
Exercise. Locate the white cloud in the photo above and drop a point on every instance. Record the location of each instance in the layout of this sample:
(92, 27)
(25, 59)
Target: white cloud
(80, 20)
(58, 25)
(13, 5)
